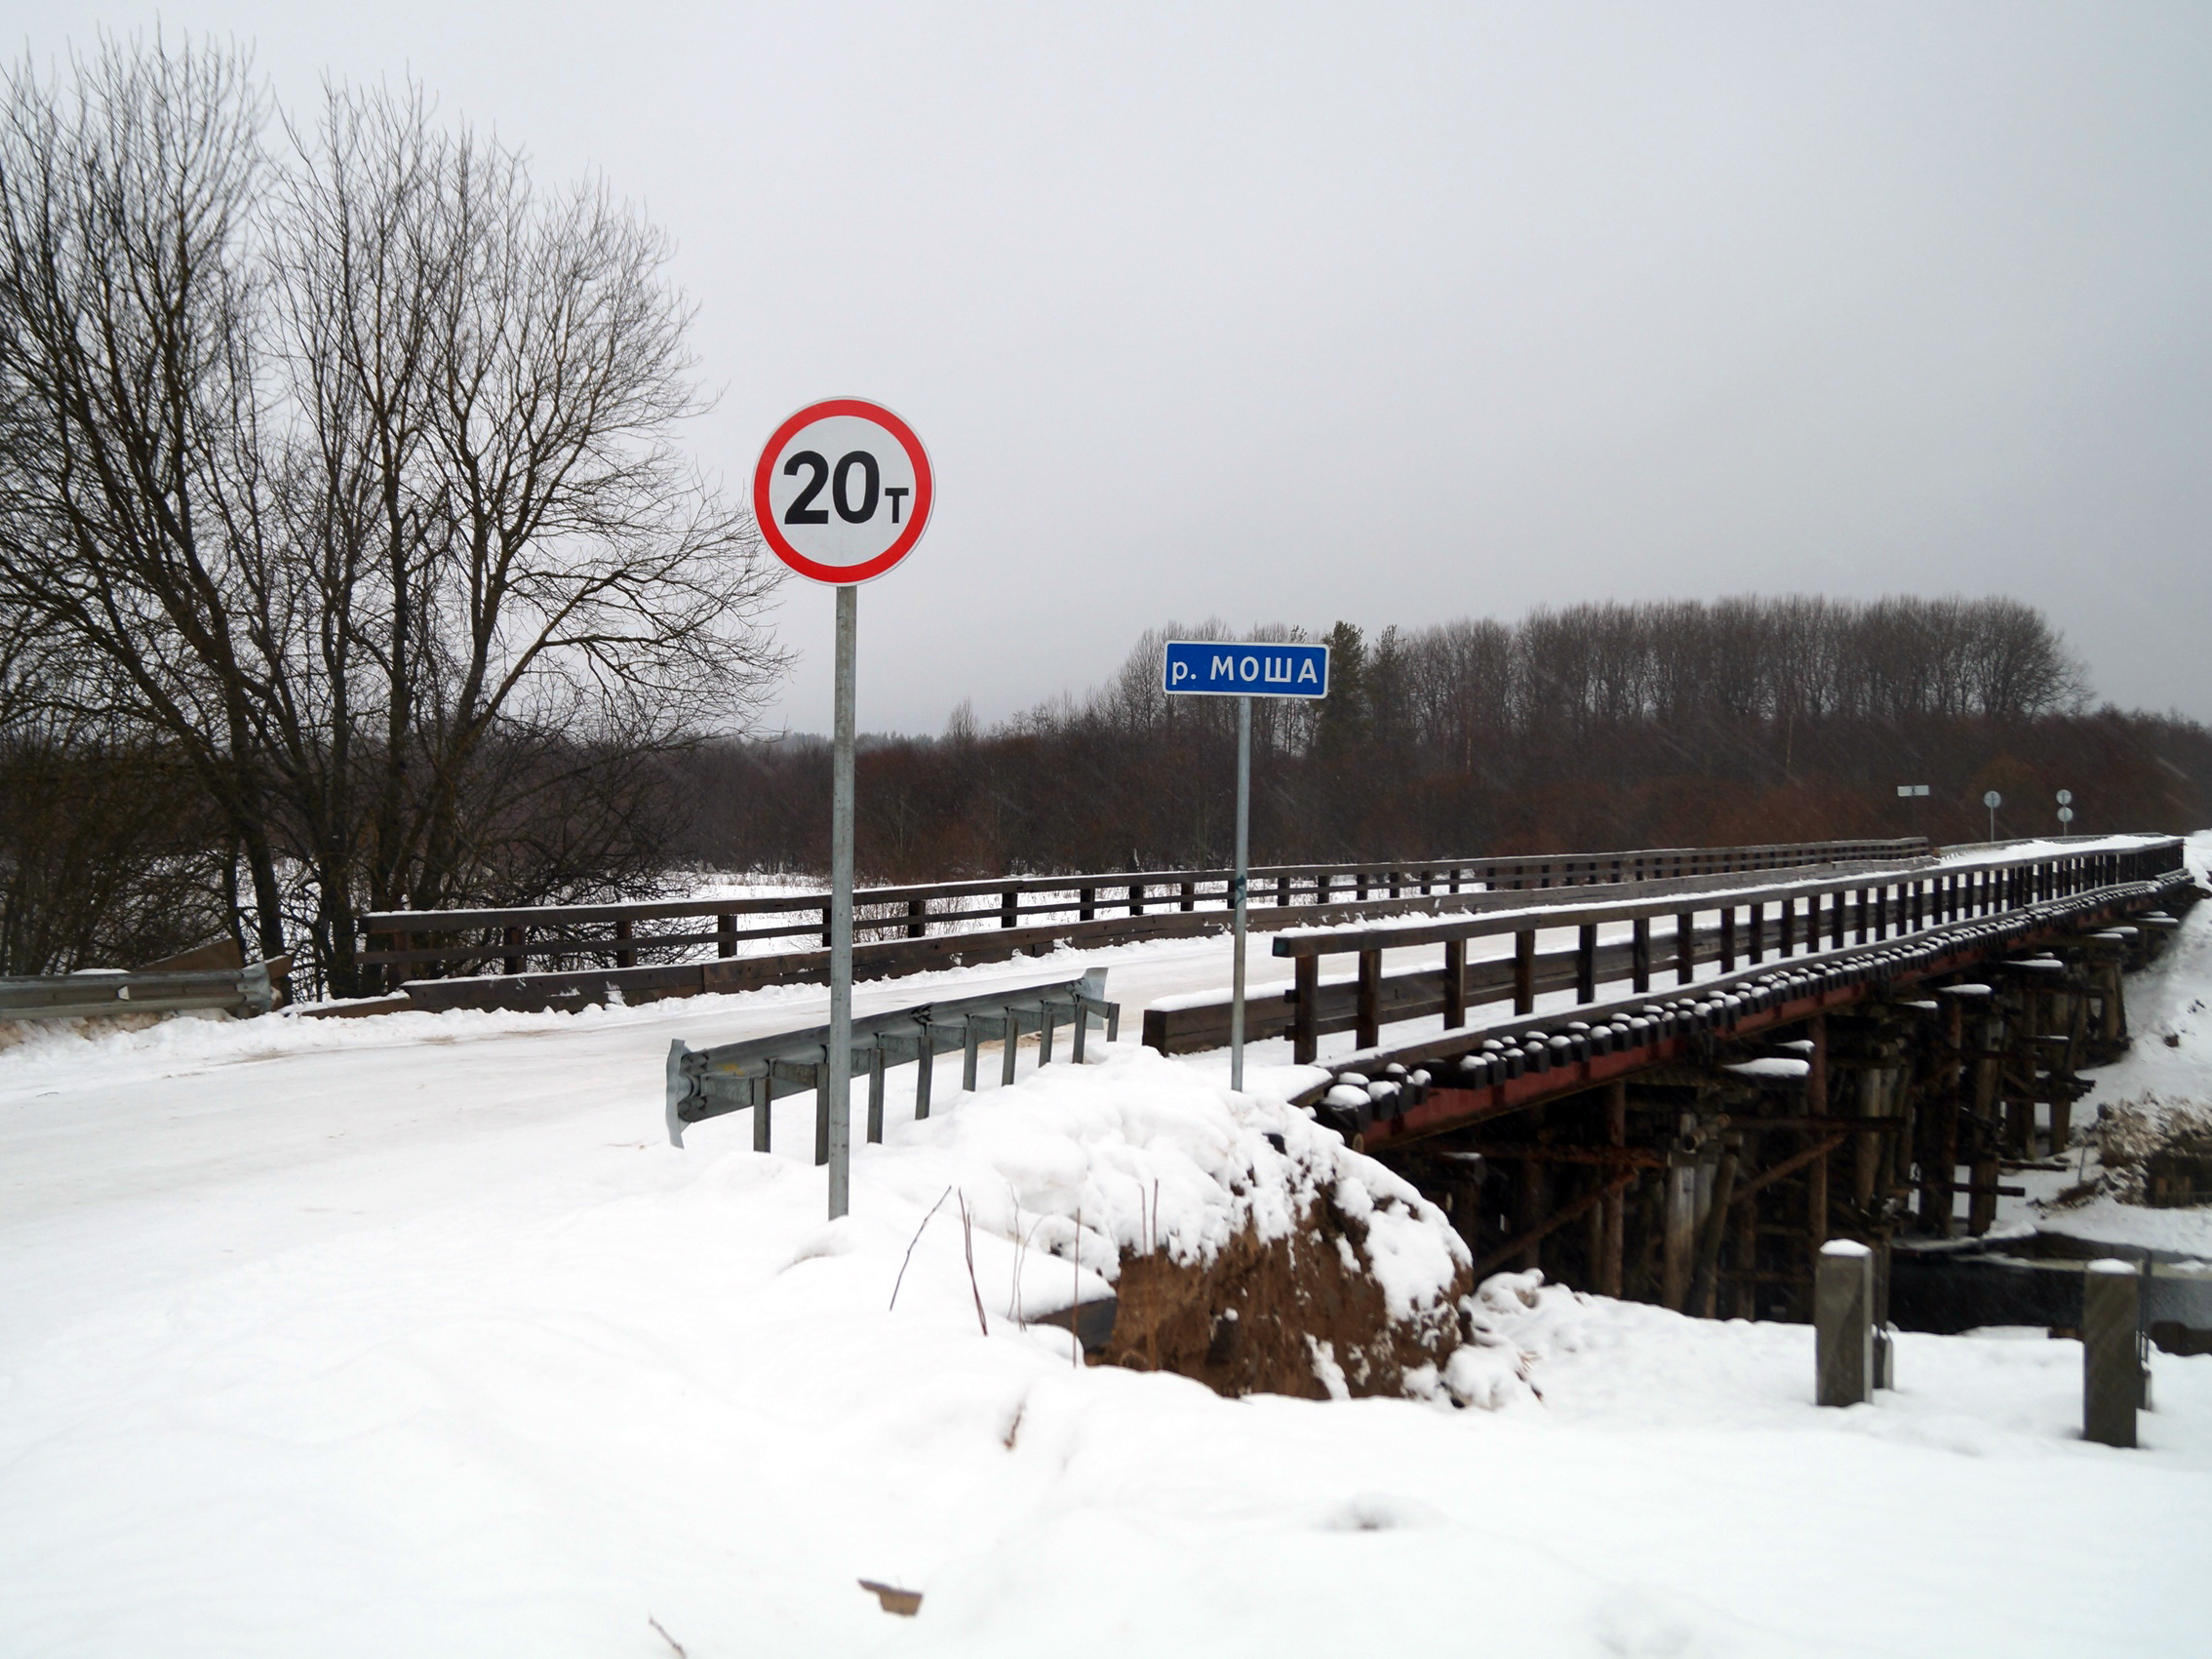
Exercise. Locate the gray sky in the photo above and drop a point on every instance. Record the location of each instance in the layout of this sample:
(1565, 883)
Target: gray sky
(1398, 314)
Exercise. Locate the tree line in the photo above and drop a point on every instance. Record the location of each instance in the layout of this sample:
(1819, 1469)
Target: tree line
(1601, 725)
(348, 556)
(350, 561)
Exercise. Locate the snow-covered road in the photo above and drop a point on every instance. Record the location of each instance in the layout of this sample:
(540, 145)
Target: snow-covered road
(413, 1336)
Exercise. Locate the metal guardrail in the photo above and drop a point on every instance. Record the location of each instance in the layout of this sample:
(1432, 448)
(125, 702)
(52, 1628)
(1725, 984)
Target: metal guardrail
(708, 1082)
(248, 990)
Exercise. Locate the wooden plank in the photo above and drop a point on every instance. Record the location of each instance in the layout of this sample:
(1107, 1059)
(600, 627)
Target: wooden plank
(1513, 1152)
(1612, 1240)
(1305, 1030)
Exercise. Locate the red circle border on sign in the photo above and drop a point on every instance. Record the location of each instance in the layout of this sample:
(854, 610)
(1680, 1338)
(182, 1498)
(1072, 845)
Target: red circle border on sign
(925, 491)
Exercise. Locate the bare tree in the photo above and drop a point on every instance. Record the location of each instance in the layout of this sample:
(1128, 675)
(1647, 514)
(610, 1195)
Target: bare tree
(132, 498)
(360, 470)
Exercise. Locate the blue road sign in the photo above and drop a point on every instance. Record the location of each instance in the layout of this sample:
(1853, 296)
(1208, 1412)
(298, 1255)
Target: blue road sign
(1217, 669)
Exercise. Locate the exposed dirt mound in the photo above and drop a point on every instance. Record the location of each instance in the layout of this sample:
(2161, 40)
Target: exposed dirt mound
(1302, 1314)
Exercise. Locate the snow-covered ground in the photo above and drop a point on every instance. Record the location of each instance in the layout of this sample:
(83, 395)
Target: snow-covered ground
(413, 1336)
(2169, 1015)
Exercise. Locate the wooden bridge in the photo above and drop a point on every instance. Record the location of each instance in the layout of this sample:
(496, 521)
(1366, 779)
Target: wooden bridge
(569, 954)
(1670, 1074)
(1729, 1073)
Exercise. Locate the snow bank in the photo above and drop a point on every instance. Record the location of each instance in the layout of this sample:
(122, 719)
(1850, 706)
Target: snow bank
(1147, 1156)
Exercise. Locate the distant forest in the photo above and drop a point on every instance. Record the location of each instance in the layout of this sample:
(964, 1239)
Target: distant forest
(1596, 727)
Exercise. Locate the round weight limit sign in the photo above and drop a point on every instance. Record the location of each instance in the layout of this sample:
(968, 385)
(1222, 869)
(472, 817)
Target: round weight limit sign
(842, 494)
(843, 490)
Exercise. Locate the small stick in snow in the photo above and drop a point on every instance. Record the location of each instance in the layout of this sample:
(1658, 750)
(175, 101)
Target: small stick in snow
(666, 1637)
(968, 1241)
(1075, 1297)
(915, 1240)
(1154, 1248)
(1022, 1259)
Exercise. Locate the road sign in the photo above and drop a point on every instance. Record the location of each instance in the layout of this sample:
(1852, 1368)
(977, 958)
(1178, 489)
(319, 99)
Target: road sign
(2066, 815)
(1993, 800)
(2066, 797)
(842, 494)
(1221, 668)
(843, 490)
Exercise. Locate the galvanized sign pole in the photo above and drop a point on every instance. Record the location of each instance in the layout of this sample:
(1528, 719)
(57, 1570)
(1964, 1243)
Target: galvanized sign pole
(841, 907)
(1213, 668)
(841, 523)
(1243, 841)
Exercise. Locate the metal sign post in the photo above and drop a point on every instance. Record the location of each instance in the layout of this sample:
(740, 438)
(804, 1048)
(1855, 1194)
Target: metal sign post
(1993, 800)
(842, 522)
(1216, 668)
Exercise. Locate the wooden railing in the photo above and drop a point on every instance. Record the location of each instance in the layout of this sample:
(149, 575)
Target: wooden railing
(1103, 908)
(1746, 925)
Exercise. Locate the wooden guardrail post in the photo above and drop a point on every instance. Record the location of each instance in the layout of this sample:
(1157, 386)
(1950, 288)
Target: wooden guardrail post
(1136, 898)
(1727, 938)
(1454, 983)
(1190, 895)
(1305, 1013)
(1639, 953)
(1757, 929)
(1087, 908)
(2111, 1356)
(1367, 1030)
(1585, 963)
(725, 936)
(918, 914)
(1525, 971)
(625, 956)
(513, 961)
(1685, 947)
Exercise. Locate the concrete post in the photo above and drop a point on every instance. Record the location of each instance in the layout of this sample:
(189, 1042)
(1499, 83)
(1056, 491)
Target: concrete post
(1843, 1324)
(2111, 1364)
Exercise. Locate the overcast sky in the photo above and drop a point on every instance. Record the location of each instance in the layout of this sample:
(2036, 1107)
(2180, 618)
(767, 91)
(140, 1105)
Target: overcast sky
(1399, 314)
